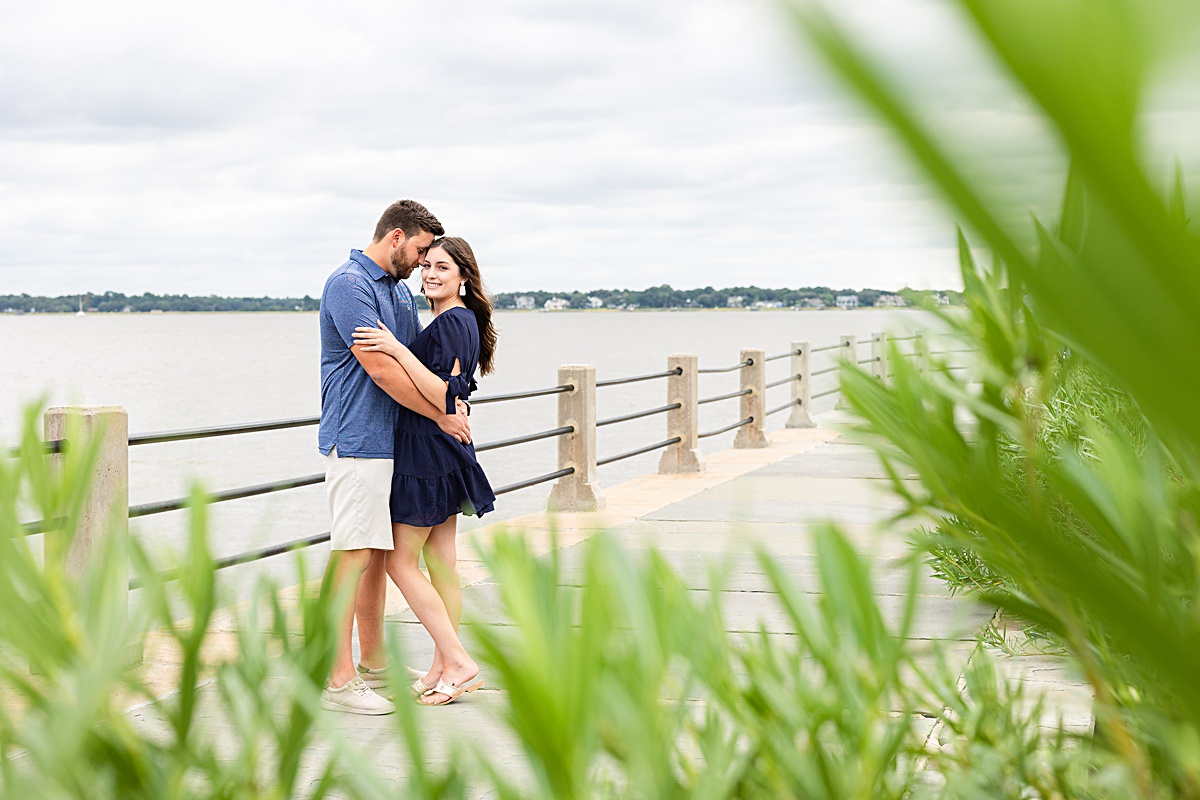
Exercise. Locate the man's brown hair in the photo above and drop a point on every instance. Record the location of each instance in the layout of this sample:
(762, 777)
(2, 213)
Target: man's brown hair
(410, 217)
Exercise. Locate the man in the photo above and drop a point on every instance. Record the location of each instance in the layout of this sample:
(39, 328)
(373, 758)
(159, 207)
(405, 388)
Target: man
(359, 392)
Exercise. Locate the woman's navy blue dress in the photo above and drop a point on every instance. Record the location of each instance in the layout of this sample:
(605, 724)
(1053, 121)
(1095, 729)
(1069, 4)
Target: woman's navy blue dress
(436, 476)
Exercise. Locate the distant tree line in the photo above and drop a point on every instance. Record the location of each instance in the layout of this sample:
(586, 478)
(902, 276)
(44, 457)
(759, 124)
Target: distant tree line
(666, 296)
(117, 302)
(655, 297)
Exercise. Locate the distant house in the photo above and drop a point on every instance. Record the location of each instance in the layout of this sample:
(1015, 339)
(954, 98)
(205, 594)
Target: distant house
(847, 301)
(767, 304)
(890, 301)
(734, 301)
(594, 302)
(941, 299)
(811, 302)
(556, 304)
(524, 302)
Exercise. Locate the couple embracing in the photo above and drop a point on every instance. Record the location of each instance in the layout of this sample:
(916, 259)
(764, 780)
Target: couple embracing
(400, 465)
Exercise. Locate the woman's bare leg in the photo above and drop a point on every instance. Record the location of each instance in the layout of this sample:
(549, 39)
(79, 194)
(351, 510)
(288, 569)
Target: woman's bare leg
(403, 565)
(441, 559)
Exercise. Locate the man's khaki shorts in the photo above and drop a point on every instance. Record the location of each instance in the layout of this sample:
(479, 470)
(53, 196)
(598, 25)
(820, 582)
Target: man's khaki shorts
(359, 489)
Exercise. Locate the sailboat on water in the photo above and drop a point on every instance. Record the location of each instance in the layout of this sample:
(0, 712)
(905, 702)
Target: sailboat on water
(79, 313)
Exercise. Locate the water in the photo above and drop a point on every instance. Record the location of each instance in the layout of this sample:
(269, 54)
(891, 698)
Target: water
(174, 371)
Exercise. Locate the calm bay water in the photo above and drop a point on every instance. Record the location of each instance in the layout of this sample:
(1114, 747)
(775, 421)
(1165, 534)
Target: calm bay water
(174, 371)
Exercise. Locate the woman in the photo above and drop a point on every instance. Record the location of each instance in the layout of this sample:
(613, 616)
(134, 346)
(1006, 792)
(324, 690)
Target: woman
(435, 476)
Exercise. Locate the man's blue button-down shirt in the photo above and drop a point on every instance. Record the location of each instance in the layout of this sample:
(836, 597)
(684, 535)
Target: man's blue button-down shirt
(357, 416)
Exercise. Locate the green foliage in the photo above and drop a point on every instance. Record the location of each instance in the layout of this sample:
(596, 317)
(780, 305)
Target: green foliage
(63, 731)
(1063, 476)
(627, 686)
(759, 716)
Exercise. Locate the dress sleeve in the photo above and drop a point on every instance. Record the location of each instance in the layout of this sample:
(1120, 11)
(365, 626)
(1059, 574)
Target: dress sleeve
(454, 337)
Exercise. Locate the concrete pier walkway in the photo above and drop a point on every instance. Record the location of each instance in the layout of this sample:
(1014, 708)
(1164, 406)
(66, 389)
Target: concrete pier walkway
(746, 497)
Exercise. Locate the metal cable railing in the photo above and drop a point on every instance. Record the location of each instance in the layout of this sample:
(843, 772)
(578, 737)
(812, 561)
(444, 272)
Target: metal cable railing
(749, 362)
(529, 437)
(147, 509)
(222, 430)
(162, 506)
(727, 428)
(728, 396)
(637, 415)
(600, 462)
(834, 390)
(48, 448)
(638, 378)
(243, 558)
(42, 526)
(499, 398)
(321, 538)
(549, 476)
(783, 407)
(161, 437)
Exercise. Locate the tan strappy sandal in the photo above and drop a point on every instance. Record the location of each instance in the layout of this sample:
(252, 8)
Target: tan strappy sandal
(451, 691)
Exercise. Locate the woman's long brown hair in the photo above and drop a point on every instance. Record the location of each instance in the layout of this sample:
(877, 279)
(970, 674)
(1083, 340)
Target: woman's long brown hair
(476, 299)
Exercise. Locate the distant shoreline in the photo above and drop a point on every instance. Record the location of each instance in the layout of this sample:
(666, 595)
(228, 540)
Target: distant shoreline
(656, 298)
(40, 313)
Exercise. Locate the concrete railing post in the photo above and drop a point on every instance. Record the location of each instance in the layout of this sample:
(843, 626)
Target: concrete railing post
(753, 405)
(684, 457)
(105, 514)
(879, 367)
(849, 352)
(921, 352)
(581, 490)
(801, 388)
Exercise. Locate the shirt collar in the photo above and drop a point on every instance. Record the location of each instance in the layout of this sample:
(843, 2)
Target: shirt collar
(366, 262)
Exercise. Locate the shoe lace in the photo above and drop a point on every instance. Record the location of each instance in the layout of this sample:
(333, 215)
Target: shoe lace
(359, 687)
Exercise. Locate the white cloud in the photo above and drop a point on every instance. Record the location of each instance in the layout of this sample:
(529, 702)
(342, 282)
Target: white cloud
(244, 148)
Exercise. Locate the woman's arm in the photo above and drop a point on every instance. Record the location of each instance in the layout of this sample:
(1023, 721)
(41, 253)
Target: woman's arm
(381, 339)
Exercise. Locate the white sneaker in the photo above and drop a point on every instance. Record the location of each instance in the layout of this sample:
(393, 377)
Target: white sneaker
(373, 678)
(355, 698)
(378, 679)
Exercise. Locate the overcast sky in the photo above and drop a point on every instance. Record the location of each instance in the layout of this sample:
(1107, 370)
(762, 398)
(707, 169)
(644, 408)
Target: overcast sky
(244, 148)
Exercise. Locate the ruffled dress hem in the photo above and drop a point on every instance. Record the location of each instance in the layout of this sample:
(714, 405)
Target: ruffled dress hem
(436, 499)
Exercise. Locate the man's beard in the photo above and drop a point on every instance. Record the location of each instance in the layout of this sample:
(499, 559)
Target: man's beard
(402, 265)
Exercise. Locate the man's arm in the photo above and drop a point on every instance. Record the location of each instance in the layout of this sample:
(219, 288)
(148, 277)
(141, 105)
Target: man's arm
(391, 377)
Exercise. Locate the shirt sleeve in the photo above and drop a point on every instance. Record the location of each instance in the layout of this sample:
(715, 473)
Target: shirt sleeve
(453, 338)
(352, 304)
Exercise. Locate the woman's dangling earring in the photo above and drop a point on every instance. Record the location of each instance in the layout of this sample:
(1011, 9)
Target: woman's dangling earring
(462, 289)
